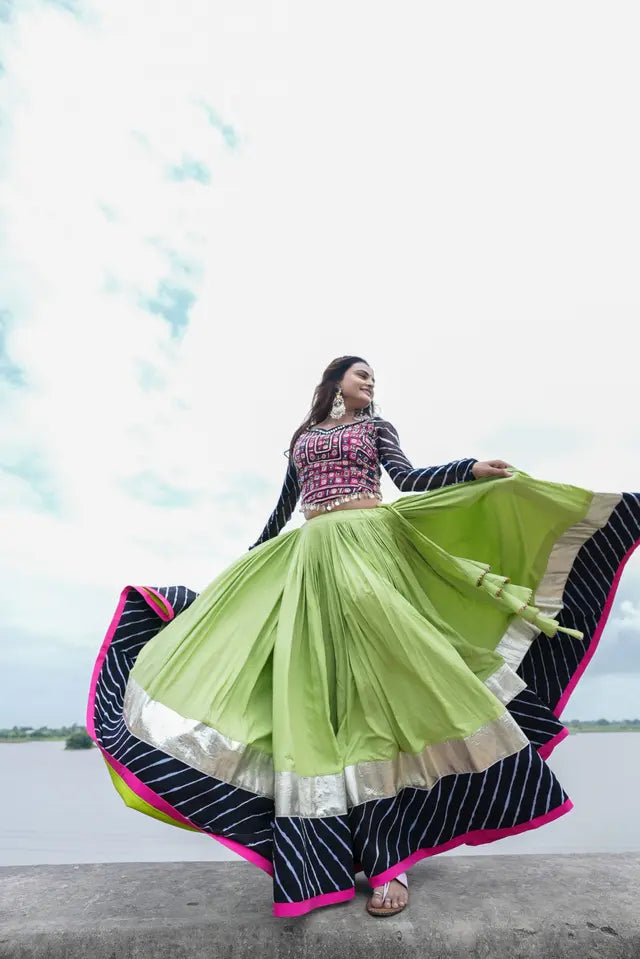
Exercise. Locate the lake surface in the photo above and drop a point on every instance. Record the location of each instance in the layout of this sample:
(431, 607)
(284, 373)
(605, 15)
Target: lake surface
(60, 807)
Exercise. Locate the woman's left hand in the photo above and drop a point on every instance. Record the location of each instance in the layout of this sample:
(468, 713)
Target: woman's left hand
(491, 468)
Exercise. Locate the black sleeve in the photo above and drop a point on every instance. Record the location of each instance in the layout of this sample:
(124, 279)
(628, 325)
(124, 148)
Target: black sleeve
(284, 507)
(405, 476)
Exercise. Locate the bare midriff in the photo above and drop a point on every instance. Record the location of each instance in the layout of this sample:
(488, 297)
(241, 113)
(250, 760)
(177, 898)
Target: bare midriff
(364, 503)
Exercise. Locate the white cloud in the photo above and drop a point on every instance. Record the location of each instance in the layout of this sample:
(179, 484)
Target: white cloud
(628, 615)
(418, 191)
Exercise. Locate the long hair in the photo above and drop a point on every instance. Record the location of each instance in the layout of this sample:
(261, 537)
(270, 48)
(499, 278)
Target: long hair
(324, 393)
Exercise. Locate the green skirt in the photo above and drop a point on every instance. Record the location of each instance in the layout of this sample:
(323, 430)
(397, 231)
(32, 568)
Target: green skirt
(371, 656)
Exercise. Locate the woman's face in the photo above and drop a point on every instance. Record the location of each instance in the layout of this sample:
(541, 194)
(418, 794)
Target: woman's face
(357, 385)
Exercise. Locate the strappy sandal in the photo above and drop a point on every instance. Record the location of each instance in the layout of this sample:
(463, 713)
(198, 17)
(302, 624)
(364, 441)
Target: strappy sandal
(389, 910)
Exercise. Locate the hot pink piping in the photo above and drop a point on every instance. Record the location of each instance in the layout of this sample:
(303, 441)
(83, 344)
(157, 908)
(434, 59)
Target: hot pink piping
(326, 899)
(477, 837)
(113, 625)
(485, 836)
(480, 836)
(163, 600)
(562, 702)
(91, 729)
(546, 749)
(138, 787)
(144, 792)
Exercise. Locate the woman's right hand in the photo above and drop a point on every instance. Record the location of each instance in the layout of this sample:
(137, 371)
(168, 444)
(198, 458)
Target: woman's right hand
(491, 468)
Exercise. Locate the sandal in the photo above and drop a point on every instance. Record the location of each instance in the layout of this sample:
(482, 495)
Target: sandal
(388, 910)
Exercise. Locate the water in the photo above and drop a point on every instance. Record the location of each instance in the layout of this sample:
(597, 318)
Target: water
(60, 807)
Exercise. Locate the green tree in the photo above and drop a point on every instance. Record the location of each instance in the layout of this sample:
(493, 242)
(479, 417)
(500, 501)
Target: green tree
(79, 740)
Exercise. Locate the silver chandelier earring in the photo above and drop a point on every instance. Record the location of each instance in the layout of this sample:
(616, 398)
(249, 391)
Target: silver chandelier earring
(338, 409)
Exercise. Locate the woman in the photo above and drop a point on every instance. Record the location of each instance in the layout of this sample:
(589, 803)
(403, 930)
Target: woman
(379, 685)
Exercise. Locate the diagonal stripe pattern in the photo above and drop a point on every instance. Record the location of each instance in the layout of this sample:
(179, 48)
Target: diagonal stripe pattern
(313, 861)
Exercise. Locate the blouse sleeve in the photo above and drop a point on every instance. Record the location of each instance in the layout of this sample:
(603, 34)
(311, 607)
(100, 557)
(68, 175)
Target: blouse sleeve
(284, 507)
(407, 477)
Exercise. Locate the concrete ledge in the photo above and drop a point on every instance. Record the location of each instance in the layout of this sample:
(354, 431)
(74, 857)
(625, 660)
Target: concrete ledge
(479, 906)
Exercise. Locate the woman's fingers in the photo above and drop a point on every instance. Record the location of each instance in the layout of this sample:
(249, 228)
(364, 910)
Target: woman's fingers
(492, 468)
(497, 471)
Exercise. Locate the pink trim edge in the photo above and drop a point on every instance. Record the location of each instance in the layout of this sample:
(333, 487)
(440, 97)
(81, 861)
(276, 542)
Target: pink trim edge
(300, 908)
(138, 787)
(163, 600)
(113, 625)
(478, 837)
(564, 699)
(547, 748)
(144, 792)
(475, 838)
(115, 619)
(483, 836)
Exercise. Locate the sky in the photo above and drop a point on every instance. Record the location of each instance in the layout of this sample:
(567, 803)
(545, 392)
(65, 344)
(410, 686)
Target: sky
(202, 204)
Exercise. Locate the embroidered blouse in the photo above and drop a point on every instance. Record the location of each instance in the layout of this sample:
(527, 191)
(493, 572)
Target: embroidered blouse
(330, 466)
(337, 464)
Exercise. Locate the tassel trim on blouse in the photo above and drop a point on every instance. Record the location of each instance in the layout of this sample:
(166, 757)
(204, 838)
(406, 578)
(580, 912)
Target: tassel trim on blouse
(329, 504)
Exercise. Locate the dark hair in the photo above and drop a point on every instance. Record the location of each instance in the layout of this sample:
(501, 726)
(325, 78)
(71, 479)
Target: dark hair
(324, 394)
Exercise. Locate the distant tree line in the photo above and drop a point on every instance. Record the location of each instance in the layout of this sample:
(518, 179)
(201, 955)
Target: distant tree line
(601, 722)
(76, 736)
(39, 732)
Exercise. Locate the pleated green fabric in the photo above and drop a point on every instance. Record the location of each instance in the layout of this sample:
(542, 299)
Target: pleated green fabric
(366, 631)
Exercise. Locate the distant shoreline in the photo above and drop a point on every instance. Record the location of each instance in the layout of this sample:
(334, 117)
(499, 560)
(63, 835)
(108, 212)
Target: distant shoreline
(33, 739)
(595, 728)
(579, 727)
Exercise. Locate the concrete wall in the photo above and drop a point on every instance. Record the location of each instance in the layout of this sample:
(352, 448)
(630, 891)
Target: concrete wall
(483, 906)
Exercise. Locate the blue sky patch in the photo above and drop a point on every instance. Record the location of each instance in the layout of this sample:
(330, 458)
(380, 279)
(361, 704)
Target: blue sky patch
(227, 132)
(30, 468)
(183, 269)
(149, 377)
(69, 6)
(10, 372)
(190, 169)
(108, 211)
(243, 487)
(173, 304)
(151, 488)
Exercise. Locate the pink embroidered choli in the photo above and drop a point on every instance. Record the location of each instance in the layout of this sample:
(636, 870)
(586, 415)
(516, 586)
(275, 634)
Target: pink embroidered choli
(343, 462)
(337, 464)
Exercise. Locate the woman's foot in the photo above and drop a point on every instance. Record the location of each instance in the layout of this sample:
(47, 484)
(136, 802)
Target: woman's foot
(390, 899)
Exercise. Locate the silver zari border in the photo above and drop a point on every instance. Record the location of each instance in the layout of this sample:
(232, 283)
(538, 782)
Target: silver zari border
(204, 748)
(518, 638)
(320, 796)
(194, 743)
(505, 684)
